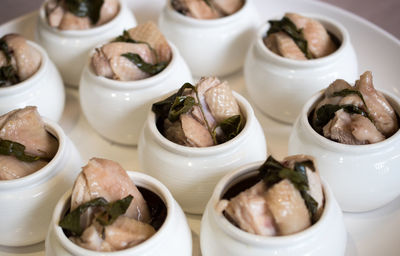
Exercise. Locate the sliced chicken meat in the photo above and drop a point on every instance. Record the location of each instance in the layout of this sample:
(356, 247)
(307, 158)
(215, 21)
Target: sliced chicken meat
(337, 86)
(380, 110)
(249, 210)
(314, 180)
(25, 58)
(12, 168)
(288, 208)
(364, 130)
(319, 42)
(107, 179)
(26, 127)
(92, 239)
(197, 9)
(339, 129)
(221, 102)
(228, 7)
(149, 33)
(281, 44)
(59, 17)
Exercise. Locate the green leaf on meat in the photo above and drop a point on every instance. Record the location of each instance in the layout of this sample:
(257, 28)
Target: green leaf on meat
(8, 76)
(4, 48)
(231, 127)
(11, 148)
(85, 8)
(151, 69)
(287, 26)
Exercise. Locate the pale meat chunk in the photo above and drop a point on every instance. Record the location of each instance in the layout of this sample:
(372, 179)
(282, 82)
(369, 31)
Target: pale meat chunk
(364, 130)
(149, 33)
(198, 9)
(26, 127)
(352, 99)
(108, 11)
(196, 134)
(173, 131)
(107, 179)
(228, 7)
(204, 84)
(92, 239)
(339, 129)
(314, 180)
(101, 65)
(221, 102)
(71, 22)
(125, 70)
(55, 16)
(288, 208)
(27, 58)
(12, 168)
(318, 39)
(3, 59)
(284, 46)
(337, 86)
(380, 110)
(249, 210)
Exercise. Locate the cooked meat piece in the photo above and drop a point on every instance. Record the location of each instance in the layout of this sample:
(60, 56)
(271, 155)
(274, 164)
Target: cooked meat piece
(149, 33)
(27, 59)
(123, 68)
(204, 84)
(288, 208)
(55, 16)
(314, 180)
(283, 45)
(108, 11)
(26, 127)
(196, 134)
(380, 110)
(72, 22)
(221, 102)
(249, 210)
(228, 7)
(126, 232)
(174, 132)
(339, 129)
(3, 59)
(198, 9)
(106, 178)
(101, 65)
(337, 86)
(318, 39)
(352, 99)
(92, 239)
(12, 168)
(364, 130)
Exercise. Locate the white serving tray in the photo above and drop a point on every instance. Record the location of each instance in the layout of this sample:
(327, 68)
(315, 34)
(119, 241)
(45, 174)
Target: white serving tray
(369, 234)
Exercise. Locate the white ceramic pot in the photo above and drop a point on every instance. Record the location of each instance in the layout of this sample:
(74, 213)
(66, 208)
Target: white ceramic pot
(27, 203)
(43, 89)
(362, 177)
(211, 47)
(218, 236)
(172, 239)
(280, 86)
(125, 104)
(69, 48)
(192, 173)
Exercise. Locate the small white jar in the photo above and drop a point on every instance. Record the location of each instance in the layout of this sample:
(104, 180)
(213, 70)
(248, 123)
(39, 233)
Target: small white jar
(117, 110)
(27, 203)
(362, 177)
(214, 47)
(280, 86)
(43, 89)
(191, 173)
(172, 239)
(220, 237)
(69, 48)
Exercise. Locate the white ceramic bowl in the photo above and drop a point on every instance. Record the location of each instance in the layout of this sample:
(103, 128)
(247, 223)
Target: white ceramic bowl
(172, 239)
(220, 237)
(280, 86)
(43, 89)
(362, 177)
(124, 104)
(211, 47)
(192, 173)
(27, 202)
(69, 48)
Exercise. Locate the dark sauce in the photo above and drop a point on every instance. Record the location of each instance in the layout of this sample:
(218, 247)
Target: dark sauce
(334, 39)
(241, 186)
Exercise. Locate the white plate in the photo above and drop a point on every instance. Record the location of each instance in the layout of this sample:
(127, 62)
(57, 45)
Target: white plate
(370, 234)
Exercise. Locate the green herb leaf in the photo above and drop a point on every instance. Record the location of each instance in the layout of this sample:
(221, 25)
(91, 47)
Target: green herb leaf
(11, 148)
(8, 76)
(85, 8)
(231, 127)
(151, 69)
(126, 38)
(4, 48)
(72, 221)
(108, 213)
(287, 26)
(272, 172)
(208, 3)
(181, 105)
